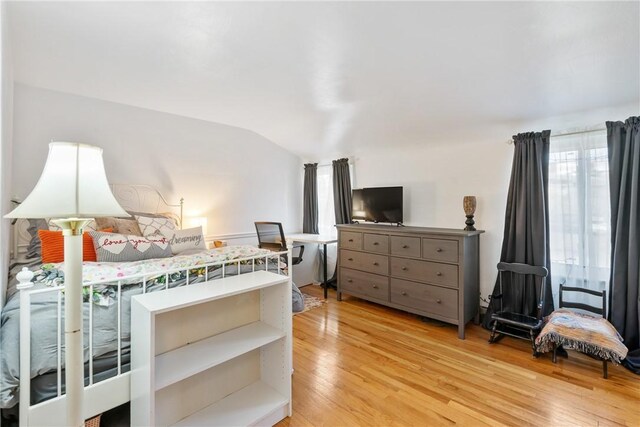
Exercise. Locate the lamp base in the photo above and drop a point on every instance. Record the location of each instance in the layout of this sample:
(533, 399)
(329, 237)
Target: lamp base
(470, 222)
(74, 355)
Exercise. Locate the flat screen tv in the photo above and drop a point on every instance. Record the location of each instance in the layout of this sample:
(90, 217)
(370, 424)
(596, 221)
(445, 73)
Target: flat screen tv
(378, 204)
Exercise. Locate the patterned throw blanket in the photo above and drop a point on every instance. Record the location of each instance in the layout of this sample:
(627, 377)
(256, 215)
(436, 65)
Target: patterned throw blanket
(583, 332)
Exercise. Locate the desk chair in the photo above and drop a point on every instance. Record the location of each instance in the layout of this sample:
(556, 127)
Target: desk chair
(512, 321)
(271, 236)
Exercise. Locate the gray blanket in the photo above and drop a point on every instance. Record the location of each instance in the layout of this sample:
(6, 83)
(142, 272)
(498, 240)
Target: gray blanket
(44, 308)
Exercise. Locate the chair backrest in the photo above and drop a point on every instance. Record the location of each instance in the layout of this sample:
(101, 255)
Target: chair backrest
(521, 273)
(525, 269)
(271, 235)
(593, 309)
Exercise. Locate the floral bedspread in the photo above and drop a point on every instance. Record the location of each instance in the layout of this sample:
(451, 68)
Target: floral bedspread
(101, 271)
(108, 273)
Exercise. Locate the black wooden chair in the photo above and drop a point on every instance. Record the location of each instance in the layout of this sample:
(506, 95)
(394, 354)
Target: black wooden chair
(518, 277)
(602, 311)
(271, 236)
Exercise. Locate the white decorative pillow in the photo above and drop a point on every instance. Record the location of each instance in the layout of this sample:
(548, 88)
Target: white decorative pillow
(153, 224)
(111, 247)
(190, 239)
(91, 226)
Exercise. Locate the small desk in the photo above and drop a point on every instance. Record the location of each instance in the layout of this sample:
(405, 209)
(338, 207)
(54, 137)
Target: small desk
(320, 239)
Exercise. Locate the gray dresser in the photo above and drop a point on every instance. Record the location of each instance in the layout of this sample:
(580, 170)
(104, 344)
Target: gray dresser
(433, 272)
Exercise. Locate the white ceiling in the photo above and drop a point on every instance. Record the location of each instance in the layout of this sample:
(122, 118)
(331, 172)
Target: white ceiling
(324, 78)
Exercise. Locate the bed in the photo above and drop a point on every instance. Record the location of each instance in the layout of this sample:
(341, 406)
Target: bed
(33, 387)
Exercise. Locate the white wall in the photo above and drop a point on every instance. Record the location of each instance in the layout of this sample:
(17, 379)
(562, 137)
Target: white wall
(6, 127)
(230, 175)
(437, 175)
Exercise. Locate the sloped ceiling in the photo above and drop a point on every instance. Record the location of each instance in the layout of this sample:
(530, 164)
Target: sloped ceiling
(323, 78)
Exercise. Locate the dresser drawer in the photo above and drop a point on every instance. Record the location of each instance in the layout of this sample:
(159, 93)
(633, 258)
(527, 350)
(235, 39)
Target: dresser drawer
(425, 271)
(432, 299)
(405, 246)
(351, 240)
(365, 284)
(376, 243)
(378, 264)
(440, 250)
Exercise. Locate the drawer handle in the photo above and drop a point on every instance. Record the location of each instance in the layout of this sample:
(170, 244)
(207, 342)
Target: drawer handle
(405, 246)
(349, 280)
(375, 263)
(404, 268)
(403, 293)
(375, 286)
(438, 274)
(375, 243)
(351, 240)
(439, 250)
(350, 259)
(438, 301)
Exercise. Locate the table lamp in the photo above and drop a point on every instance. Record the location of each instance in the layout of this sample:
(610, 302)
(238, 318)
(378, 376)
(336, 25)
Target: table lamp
(72, 190)
(197, 221)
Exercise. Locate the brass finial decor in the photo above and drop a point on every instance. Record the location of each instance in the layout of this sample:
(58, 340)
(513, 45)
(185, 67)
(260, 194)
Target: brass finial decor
(469, 205)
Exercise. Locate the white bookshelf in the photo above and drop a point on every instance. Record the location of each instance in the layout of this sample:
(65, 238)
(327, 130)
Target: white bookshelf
(215, 353)
(233, 409)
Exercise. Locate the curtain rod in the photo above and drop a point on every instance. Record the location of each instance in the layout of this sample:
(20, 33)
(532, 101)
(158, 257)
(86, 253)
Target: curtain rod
(560, 134)
(555, 135)
(324, 165)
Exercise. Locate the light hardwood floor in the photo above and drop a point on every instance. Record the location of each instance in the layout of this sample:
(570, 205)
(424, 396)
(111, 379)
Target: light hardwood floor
(358, 363)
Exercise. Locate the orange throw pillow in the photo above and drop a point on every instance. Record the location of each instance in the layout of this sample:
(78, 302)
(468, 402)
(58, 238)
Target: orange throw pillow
(52, 243)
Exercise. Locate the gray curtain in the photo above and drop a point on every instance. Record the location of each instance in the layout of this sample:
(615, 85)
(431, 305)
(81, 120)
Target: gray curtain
(623, 141)
(342, 191)
(310, 213)
(526, 226)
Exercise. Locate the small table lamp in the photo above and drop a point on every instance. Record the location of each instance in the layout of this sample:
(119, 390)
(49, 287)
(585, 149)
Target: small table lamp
(72, 189)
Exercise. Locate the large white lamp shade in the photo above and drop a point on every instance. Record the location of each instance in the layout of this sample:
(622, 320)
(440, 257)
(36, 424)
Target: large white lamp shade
(73, 187)
(73, 184)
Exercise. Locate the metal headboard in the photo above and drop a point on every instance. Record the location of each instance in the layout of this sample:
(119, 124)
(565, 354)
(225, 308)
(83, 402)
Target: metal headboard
(145, 198)
(132, 197)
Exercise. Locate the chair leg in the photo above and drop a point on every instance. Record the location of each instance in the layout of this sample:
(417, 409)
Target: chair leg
(554, 357)
(533, 343)
(496, 334)
(605, 372)
(492, 337)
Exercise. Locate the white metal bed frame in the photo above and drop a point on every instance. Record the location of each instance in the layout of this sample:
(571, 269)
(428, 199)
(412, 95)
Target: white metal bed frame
(114, 391)
(111, 392)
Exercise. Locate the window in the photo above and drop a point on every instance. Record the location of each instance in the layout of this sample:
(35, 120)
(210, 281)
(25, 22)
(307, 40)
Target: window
(579, 212)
